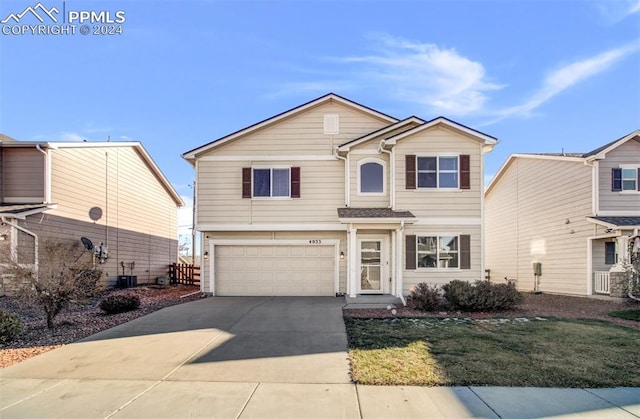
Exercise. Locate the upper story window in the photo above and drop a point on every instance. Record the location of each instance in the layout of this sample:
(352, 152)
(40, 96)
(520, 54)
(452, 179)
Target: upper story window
(447, 172)
(371, 177)
(438, 172)
(271, 182)
(625, 178)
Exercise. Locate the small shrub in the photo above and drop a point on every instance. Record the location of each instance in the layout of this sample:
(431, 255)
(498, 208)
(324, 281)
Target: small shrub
(10, 326)
(119, 303)
(426, 297)
(481, 296)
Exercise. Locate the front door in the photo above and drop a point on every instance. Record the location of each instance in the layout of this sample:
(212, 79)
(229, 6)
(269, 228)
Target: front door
(371, 266)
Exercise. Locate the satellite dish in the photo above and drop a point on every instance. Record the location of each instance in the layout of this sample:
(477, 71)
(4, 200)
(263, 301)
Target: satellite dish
(87, 243)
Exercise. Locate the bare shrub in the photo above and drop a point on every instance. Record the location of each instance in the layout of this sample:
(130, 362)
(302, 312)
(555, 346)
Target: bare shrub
(64, 275)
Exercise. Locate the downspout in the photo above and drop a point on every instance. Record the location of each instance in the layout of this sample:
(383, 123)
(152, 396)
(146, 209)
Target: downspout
(47, 174)
(32, 234)
(400, 279)
(347, 197)
(392, 184)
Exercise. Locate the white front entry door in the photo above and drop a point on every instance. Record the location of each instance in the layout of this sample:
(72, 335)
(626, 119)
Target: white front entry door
(372, 261)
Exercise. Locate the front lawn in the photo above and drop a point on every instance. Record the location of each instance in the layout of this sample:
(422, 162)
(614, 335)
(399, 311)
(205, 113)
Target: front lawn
(497, 352)
(627, 314)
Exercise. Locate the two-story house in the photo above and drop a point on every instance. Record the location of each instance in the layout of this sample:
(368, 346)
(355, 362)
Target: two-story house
(333, 197)
(576, 214)
(111, 193)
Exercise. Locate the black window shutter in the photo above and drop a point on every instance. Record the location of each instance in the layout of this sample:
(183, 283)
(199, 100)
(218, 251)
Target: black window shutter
(616, 180)
(410, 172)
(609, 253)
(246, 182)
(410, 252)
(465, 171)
(295, 182)
(465, 251)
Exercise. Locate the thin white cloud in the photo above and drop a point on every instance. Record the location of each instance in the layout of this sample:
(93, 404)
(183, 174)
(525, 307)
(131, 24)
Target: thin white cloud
(440, 78)
(71, 137)
(565, 77)
(616, 11)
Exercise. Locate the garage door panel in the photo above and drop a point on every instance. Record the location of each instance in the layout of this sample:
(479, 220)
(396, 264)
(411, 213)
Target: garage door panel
(286, 270)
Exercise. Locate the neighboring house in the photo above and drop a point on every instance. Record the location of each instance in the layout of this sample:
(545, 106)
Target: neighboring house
(575, 214)
(109, 192)
(333, 197)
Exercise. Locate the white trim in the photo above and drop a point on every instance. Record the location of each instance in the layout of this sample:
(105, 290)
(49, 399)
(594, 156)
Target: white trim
(618, 214)
(603, 153)
(482, 218)
(22, 215)
(442, 221)
(24, 200)
(265, 157)
(611, 226)
(347, 147)
(356, 220)
(271, 227)
(375, 160)
(352, 266)
(347, 169)
(277, 242)
(190, 155)
(595, 187)
(487, 140)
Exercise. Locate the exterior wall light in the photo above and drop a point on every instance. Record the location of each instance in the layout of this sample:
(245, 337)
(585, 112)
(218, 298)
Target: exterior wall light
(341, 255)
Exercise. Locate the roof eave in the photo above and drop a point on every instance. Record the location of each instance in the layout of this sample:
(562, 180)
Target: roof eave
(486, 139)
(387, 220)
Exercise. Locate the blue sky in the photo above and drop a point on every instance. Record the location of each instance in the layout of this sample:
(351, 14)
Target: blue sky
(541, 76)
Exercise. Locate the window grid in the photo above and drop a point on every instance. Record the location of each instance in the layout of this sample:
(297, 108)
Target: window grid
(438, 172)
(271, 182)
(437, 252)
(629, 179)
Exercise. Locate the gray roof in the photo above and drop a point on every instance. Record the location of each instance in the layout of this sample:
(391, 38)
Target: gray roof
(373, 213)
(619, 221)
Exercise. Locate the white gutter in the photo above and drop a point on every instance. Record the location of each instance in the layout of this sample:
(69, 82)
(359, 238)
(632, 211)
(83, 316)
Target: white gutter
(347, 178)
(47, 174)
(392, 172)
(14, 254)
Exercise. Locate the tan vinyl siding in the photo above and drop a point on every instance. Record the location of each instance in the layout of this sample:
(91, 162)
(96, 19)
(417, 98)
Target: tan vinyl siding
(551, 200)
(220, 194)
(278, 235)
(364, 200)
(626, 154)
(303, 134)
(439, 203)
(442, 276)
(118, 182)
(151, 254)
(501, 221)
(23, 175)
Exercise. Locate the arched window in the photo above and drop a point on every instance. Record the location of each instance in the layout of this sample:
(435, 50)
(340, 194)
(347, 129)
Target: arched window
(371, 174)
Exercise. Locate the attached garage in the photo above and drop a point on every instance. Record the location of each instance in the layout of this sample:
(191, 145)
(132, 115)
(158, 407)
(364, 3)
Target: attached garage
(276, 268)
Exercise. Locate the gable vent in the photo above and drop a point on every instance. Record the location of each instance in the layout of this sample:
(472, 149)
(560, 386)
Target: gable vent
(331, 124)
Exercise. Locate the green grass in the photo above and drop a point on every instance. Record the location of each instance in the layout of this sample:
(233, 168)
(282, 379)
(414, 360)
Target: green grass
(627, 314)
(541, 353)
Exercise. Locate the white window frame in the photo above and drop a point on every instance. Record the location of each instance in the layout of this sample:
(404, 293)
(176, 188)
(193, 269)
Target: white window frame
(271, 168)
(376, 160)
(437, 172)
(438, 236)
(635, 169)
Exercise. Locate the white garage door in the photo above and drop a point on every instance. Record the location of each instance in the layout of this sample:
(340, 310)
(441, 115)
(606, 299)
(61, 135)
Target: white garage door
(284, 270)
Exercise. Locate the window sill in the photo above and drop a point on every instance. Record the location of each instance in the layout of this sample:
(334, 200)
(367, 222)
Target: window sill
(431, 190)
(271, 198)
(438, 269)
(372, 194)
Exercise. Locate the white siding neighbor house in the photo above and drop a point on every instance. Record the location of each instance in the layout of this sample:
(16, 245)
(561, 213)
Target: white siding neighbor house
(111, 193)
(577, 215)
(333, 197)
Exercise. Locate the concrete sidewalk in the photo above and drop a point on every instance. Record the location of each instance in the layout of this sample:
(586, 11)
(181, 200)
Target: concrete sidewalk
(254, 358)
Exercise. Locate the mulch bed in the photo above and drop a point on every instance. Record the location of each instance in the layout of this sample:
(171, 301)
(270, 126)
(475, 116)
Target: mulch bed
(534, 305)
(81, 321)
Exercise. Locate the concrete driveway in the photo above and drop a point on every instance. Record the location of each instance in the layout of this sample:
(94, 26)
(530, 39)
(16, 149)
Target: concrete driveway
(215, 349)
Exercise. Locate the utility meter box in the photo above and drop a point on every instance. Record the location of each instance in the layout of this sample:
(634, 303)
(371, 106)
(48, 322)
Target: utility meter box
(537, 269)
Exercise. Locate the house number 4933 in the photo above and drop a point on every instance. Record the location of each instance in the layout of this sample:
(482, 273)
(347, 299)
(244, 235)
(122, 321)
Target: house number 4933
(315, 241)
